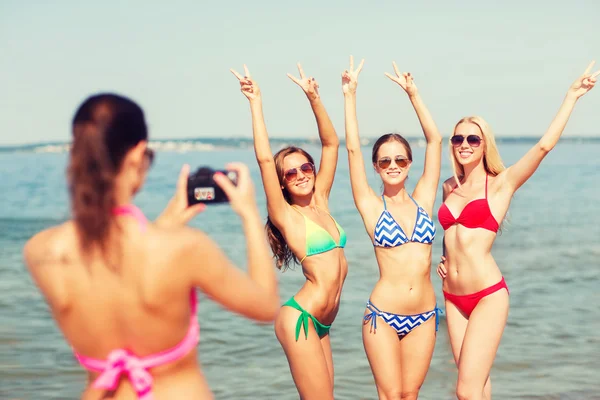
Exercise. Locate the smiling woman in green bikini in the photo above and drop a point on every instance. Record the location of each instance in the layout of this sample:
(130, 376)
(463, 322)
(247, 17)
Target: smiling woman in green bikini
(301, 230)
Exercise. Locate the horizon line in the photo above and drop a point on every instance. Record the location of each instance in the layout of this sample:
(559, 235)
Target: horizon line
(279, 138)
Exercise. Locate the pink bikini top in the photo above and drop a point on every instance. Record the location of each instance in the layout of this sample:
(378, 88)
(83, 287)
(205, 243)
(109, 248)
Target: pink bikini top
(120, 361)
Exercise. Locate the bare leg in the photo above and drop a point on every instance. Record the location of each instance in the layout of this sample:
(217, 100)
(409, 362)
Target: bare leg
(416, 350)
(308, 363)
(383, 352)
(326, 345)
(480, 344)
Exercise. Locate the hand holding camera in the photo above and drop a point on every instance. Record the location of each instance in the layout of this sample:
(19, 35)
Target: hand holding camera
(232, 185)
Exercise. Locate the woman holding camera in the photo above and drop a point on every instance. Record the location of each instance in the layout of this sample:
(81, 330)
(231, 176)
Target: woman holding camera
(123, 290)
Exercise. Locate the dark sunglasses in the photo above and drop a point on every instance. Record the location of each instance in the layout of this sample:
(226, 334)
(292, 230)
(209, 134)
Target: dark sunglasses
(472, 140)
(385, 162)
(292, 174)
(149, 154)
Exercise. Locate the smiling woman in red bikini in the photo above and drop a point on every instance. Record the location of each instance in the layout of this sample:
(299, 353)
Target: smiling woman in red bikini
(476, 200)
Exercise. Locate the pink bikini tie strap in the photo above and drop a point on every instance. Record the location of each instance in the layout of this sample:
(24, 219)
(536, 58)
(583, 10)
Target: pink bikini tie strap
(118, 362)
(121, 361)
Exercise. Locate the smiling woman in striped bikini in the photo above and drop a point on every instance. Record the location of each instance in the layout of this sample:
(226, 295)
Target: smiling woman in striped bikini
(400, 320)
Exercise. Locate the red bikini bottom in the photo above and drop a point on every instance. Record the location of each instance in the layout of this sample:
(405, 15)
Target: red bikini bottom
(467, 302)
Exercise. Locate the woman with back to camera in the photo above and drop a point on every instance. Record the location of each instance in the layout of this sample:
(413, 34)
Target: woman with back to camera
(400, 348)
(476, 200)
(123, 290)
(301, 229)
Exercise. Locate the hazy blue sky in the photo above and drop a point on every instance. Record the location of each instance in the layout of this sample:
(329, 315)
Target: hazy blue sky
(511, 62)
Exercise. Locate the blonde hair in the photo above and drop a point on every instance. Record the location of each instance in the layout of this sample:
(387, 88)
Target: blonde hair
(491, 157)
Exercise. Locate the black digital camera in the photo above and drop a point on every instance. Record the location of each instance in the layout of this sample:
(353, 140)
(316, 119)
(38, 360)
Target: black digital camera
(202, 188)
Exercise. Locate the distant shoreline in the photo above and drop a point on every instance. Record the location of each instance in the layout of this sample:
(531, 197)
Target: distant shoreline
(231, 143)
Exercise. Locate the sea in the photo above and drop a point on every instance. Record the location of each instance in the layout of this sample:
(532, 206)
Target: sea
(548, 251)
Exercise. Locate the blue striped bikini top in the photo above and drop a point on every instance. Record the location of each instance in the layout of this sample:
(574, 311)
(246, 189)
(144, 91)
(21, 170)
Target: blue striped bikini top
(388, 233)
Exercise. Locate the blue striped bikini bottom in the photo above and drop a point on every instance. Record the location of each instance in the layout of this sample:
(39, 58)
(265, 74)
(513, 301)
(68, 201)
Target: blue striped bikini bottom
(402, 324)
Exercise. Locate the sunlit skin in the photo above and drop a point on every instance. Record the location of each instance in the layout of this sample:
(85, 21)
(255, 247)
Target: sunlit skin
(302, 186)
(404, 287)
(309, 357)
(467, 264)
(465, 153)
(394, 175)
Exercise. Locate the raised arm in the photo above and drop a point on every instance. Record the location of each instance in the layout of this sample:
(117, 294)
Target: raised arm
(426, 188)
(255, 294)
(521, 171)
(329, 140)
(361, 191)
(276, 205)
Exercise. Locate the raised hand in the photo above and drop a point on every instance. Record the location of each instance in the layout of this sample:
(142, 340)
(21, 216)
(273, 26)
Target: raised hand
(249, 87)
(585, 82)
(241, 197)
(309, 85)
(350, 77)
(177, 212)
(404, 79)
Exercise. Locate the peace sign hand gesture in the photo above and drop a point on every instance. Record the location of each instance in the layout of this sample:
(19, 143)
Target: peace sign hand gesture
(309, 85)
(249, 87)
(585, 82)
(404, 79)
(350, 77)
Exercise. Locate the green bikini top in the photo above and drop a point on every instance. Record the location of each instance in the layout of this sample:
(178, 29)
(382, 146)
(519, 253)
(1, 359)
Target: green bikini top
(318, 240)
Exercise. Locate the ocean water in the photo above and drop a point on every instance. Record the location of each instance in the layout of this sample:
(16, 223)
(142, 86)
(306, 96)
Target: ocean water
(549, 253)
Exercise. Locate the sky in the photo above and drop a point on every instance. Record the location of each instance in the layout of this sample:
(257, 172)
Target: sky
(510, 62)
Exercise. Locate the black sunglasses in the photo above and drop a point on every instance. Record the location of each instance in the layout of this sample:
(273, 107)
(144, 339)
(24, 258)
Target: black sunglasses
(292, 173)
(472, 140)
(385, 162)
(149, 154)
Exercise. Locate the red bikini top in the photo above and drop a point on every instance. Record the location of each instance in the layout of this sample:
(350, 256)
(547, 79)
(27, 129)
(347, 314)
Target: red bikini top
(476, 214)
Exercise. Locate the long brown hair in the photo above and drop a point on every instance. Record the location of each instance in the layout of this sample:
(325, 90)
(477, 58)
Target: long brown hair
(281, 252)
(105, 128)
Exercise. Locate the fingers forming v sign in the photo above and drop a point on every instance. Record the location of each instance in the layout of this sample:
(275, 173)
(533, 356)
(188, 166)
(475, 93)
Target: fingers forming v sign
(249, 87)
(585, 82)
(309, 85)
(350, 77)
(404, 79)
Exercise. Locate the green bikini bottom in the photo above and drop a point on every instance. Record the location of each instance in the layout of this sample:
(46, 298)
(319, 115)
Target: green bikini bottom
(321, 329)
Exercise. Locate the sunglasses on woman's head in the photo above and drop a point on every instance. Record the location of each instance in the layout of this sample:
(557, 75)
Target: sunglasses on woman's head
(385, 162)
(292, 173)
(472, 140)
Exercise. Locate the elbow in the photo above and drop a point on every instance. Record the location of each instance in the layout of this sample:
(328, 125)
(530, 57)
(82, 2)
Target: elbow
(352, 150)
(269, 310)
(265, 160)
(545, 147)
(333, 143)
(435, 139)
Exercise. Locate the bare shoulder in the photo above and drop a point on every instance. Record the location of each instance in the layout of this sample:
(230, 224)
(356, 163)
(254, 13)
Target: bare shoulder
(179, 240)
(449, 184)
(47, 246)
